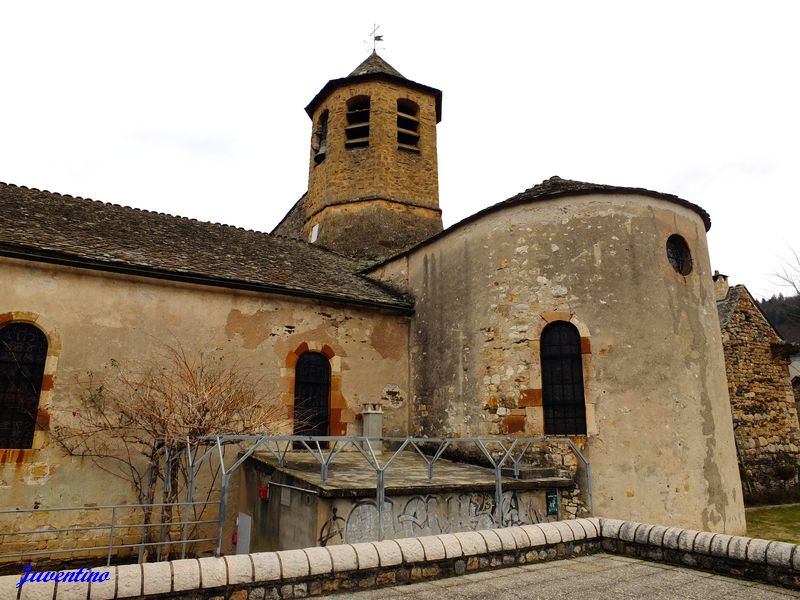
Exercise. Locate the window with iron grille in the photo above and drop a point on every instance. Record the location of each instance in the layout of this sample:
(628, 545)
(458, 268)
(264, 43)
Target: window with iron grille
(312, 390)
(23, 351)
(562, 380)
(679, 255)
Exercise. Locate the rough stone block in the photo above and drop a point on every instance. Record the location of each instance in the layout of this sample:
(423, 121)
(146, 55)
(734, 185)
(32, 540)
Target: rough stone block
(343, 558)
(101, 590)
(433, 547)
(642, 535)
(627, 532)
(656, 537)
(367, 556)
(737, 548)
(779, 554)
(578, 532)
(471, 543)
(520, 537)
(389, 553)
(240, 569)
(671, 536)
(129, 581)
(567, 535)
(719, 545)
(452, 549)
(156, 578)
(686, 540)
(535, 535)
(551, 533)
(508, 541)
(266, 566)
(757, 551)
(412, 550)
(185, 575)
(8, 586)
(609, 528)
(36, 591)
(493, 543)
(702, 542)
(294, 563)
(213, 572)
(319, 561)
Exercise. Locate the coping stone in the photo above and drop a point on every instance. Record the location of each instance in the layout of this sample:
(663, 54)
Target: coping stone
(106, 590)
(627, 532)
(757, 551)
(656, 537)
(452, 549)
(492, 541)
(737, 548)
(796, 559)
(8, 586)
(343, 558)
(240, 569)
(591, 522)
(266, 566)
(129, 581)
(471, 543)
(412, 550)
(38, 590)
(686, 540)
(294, 563)
(520, 537)
(567, 534)
(367, 555)
(508, 540)
(535, 534)
(642, 535)
(213, 572)
(671, 537)
(433, 547)
(389, 553)
(74, 590)
(720, 545)
(156, 578)
(779, 554)
(551, 533)
(578, 532)
(702, 542)
(609, 528)
(185, 575)
(319, 561)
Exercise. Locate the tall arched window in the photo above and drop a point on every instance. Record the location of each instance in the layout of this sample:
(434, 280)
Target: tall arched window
(319, 142)
(312, 390)
(407, 125)
(562, 380)
(23, 351)
(356, 131)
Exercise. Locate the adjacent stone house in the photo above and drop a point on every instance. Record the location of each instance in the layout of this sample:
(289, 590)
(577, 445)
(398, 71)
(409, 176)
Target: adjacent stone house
(764, 409)
(571, 309)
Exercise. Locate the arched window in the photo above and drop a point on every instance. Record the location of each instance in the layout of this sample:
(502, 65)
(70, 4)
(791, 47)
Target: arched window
(319, 143)
(562, 380)
(312, 390)
(356, 131)
(407, 125)
(23, 351)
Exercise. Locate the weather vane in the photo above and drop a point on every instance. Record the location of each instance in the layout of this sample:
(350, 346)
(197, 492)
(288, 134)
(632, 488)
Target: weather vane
(375, 37)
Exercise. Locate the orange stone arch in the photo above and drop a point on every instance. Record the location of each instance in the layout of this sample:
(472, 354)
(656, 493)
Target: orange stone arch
(339, 413)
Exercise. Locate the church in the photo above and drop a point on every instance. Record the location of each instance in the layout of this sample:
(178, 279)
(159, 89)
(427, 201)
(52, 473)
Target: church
(570, 309)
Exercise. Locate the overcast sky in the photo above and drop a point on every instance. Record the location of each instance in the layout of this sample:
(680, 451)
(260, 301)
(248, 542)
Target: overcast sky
(196, 108)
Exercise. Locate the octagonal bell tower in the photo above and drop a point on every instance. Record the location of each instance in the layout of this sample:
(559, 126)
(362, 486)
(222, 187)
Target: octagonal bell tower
(373, 185)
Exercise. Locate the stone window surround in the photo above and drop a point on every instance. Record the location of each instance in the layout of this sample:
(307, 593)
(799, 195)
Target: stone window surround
(22, 455)
(339, 413)
(534, 397)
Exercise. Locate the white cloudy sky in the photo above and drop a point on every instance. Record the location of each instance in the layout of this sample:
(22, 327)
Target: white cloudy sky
(196, 108)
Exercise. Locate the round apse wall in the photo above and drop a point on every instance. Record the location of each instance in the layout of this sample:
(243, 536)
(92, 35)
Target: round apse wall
(679, 255)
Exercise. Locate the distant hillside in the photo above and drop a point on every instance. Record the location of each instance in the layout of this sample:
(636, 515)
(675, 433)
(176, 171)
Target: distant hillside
(784, 314)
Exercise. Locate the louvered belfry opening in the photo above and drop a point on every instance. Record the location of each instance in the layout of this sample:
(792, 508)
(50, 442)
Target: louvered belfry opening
(312, 390)
(562, 380)
(23, 351)
(357, 128)
(407, 125)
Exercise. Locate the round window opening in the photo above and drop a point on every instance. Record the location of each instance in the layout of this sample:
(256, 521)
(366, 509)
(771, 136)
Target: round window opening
(679, 255)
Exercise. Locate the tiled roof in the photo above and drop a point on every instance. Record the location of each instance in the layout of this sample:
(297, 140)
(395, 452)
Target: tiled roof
(375, 64)
(42, 225)
(727, 306)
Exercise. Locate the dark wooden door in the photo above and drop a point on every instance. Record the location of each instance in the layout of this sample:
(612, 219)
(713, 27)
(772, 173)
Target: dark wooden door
(312, 390)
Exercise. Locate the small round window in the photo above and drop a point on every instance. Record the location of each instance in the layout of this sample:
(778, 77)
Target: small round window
(679, 255)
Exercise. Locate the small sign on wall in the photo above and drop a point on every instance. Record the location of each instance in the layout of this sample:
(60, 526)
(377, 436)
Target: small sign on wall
(286, 497)
(552, 502)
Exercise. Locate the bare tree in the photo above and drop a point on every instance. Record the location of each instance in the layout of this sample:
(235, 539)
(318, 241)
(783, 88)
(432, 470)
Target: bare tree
(788, 273)
(143, 411)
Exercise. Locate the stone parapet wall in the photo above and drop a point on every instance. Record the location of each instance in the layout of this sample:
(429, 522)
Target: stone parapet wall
(347, 567)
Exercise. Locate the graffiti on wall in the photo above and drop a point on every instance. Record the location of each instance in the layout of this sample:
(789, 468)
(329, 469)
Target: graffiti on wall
(430, 515)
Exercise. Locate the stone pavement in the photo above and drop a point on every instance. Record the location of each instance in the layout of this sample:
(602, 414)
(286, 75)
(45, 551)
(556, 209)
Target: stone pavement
(602, 576)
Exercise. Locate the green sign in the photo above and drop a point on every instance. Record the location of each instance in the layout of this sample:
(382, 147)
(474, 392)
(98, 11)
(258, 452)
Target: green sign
(552, 502)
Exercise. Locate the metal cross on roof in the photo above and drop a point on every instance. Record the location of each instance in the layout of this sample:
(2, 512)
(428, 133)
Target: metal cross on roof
(375, 37)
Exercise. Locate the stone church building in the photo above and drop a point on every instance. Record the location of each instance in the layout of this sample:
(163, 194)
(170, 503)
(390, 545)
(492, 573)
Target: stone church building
(570, 309)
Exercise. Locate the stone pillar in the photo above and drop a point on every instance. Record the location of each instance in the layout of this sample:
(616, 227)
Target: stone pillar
(372, 419)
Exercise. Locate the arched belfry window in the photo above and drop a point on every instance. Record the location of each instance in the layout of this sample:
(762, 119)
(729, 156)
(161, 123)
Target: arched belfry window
(356, 130)
(407, 125)
(562, 380)
(312, 390)
(319, 143)
(23, 351)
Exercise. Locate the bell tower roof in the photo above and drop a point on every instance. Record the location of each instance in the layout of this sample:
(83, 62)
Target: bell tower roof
(374, 67)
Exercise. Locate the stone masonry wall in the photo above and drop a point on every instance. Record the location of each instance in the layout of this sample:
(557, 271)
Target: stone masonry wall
(764, 410)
